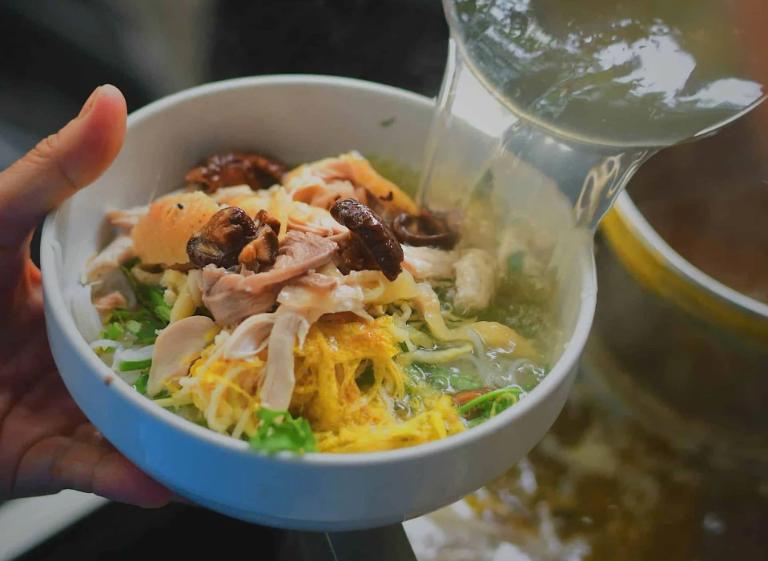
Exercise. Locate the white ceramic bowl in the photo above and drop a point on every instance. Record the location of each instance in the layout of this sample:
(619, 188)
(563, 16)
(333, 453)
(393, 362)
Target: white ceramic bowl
(298, 118)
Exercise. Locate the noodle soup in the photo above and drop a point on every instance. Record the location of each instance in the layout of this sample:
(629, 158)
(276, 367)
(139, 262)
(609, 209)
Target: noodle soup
(319, 308)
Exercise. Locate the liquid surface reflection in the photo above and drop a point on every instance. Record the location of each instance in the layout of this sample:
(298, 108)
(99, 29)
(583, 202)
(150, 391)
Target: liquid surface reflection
(601, 488)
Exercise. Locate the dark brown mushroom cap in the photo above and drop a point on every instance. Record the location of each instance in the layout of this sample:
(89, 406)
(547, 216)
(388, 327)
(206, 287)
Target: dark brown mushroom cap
(426, 229)
(354, 256)
(374, 234)
(237, 168)
(261, 252)
(263, 217)
(222, 238)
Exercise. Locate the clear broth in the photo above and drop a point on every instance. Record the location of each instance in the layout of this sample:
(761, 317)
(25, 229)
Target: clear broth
(616, 72)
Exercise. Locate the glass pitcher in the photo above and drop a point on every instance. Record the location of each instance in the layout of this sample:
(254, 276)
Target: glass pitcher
(543, 96)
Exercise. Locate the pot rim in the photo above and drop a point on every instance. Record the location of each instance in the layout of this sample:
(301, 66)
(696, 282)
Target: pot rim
(646, 255)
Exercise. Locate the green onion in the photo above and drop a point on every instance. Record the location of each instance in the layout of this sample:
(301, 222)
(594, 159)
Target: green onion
(159, 306)
(131, 365)
(492, 403)
(140, 385)
(121, 314)
(149, 297)
(139, 326)
(113, 331)
(148, 332)
(279, 432)
(163, 312)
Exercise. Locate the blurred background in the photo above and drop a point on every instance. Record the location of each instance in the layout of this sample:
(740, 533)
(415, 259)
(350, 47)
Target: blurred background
(661, 452)
(57, 51)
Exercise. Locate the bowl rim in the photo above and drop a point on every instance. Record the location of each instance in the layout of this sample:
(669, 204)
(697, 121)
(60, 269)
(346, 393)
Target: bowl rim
(57, 307)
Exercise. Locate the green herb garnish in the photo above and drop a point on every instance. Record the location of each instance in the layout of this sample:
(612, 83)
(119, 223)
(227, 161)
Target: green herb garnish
(150, 297)
(132, 365)
(140, 385)
(113, 331)
(489, 404)
(279, 432)
(139, 326)
(133, 327)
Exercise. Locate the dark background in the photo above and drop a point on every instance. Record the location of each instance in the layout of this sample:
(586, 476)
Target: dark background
(55, 52)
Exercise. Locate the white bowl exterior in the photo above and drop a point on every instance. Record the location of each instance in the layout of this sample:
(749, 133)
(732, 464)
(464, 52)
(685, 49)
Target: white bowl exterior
(299, 118)
(297, 494)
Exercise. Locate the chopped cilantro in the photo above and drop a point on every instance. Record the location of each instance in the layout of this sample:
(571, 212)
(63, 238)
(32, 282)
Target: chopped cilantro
(139, 326)
(279, 432)
(150, 297)
(132, 365)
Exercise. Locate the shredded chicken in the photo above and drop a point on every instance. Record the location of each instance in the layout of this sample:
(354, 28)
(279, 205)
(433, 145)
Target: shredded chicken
(474, 271)
(429, 263)
(231, 297)
(316, 281)
(176, 348)
(323, 194)
(279, 380)
(308, 228)
(318, 221)
(313, 297)
(475, 280)
(303, 301)
(348, 176)
(250, 337)
(110, 258)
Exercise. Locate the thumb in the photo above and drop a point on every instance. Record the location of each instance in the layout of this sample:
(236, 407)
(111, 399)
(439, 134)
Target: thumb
(60, 165)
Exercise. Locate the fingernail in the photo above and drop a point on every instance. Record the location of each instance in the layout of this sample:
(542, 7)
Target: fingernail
(90, 102)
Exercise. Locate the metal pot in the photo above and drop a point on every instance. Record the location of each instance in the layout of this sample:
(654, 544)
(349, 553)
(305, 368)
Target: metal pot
(685, 353)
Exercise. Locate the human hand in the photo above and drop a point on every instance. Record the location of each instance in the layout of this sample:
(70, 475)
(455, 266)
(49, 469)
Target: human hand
(46, 443)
